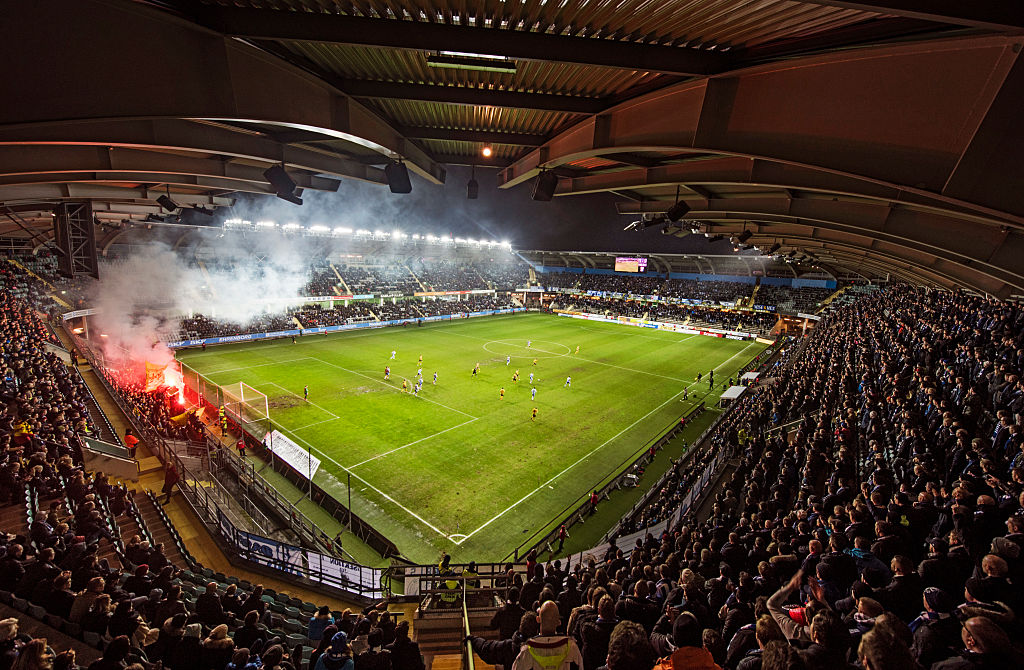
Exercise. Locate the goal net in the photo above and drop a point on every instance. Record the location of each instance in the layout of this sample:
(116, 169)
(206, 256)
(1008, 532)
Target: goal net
(247, 407)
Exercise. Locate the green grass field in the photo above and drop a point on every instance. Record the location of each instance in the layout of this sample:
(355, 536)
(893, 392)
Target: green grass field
(459, 468)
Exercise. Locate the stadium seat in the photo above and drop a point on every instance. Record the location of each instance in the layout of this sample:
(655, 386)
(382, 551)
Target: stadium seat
(36, 612)
(309, 607)
(294, 639)
(292, 612)
(92, 639)
(5, 597)
(19, 604)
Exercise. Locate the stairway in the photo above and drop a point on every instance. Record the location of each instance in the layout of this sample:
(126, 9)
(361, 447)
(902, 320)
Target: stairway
(753, 296)
(158, 529)
(99, 418)
(341, 280)
(421, 284)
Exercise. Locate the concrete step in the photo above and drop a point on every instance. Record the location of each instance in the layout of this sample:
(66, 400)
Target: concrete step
(150, 464)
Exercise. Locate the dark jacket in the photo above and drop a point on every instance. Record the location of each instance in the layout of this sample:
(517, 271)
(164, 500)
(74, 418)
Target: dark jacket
(595, 636)
(405, 655)
(506, 620)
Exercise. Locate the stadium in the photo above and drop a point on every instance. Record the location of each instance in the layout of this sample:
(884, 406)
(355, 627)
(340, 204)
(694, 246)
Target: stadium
(572, 335)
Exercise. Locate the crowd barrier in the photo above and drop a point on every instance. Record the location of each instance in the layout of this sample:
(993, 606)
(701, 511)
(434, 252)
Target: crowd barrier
(320, 569)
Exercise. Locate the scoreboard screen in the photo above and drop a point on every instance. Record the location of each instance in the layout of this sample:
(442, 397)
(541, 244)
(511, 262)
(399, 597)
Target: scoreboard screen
(629, 264)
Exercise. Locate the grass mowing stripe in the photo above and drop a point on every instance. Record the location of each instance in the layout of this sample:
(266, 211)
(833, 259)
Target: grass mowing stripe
(422, 439)
(333, 415)
(588, 360)
(379, 492)
(452, 481)
(333, 365)
(593, 451)
(570, 467)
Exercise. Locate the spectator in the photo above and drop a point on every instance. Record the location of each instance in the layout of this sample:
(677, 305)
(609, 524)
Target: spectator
(689, 654)
(318, 622)
(34, 655)
(549, 644)
(405, 654)
(218, 648)
(338, 656)
(629, 648)
(209, 607)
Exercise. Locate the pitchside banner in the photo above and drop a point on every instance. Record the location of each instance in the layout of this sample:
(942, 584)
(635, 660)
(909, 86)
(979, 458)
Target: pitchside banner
(248, 337)
(303, 462)
(658, 325)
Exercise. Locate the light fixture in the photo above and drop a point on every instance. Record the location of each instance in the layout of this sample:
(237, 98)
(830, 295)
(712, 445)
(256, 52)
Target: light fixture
(744, 236)
(487, 151)
(775, 247)
(455, 60)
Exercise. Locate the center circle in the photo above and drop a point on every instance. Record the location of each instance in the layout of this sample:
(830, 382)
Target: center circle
(537, 348)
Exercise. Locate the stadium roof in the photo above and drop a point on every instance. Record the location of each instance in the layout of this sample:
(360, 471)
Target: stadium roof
(873, 137)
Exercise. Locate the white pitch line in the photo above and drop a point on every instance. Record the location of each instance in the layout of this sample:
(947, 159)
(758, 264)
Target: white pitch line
(590, 453)
(588, 360)
(373, 379)
(315, 423)
(261, 365)
(305, 400)
(382, 494)
(411, 443)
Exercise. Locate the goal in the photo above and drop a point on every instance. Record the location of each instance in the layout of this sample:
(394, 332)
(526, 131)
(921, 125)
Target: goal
(247, 407)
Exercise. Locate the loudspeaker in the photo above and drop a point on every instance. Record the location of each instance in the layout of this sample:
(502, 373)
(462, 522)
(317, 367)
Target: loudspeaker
(166, 202)
(279, 179)
(544, 187)
(677, 211)
(472, 189)
(398, 178)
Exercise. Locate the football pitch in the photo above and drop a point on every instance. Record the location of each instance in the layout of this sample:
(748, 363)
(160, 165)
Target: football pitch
(458, 467)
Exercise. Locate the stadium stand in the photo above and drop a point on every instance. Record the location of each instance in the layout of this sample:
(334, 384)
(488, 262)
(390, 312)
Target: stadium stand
(875, 506)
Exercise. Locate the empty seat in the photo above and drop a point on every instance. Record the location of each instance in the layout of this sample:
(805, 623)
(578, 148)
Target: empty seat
(36, 612)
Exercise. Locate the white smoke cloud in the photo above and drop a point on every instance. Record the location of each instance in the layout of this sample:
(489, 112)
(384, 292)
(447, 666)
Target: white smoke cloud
(140, 299)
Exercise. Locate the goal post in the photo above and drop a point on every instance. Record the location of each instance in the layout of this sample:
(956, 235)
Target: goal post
(248, 407)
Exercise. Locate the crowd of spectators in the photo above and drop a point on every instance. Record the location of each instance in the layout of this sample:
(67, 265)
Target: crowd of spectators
(706, 291)
(626, 284)
(803, 299)
(138, 604)
(200, 325)
(322, 281)
(881, 524)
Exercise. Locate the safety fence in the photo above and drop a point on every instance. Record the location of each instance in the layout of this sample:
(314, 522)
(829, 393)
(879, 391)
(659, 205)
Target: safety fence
(212, 502)
(316, 567)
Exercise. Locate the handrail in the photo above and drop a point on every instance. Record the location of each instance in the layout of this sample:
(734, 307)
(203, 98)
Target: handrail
(469, 664)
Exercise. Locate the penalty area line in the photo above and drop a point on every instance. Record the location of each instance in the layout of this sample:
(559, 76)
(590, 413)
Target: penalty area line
(381, 493)
(422, 439)
(373, 379)
(327, 411)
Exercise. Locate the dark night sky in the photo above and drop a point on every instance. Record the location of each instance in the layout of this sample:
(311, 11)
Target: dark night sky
(581, 223)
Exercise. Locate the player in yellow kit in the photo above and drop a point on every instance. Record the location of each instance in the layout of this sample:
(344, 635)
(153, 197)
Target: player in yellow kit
(534, 414)
(515, 377)
(405, 385)
(577, 348)
(501, 393)
(421, 360)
